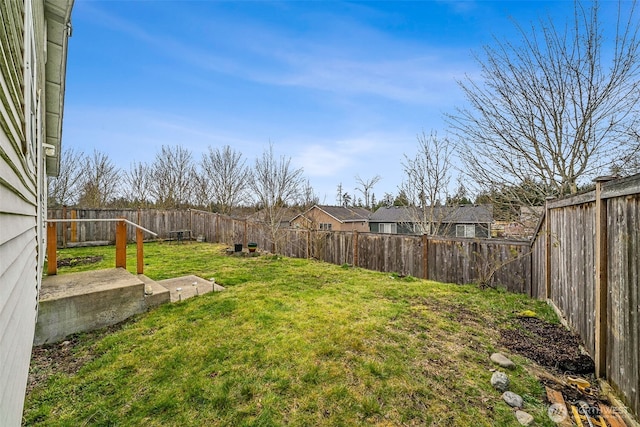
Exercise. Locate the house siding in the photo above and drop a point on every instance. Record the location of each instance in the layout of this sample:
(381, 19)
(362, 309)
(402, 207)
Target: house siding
(22, 194)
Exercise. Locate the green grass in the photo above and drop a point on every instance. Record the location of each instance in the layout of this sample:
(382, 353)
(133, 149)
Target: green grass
(292, 342)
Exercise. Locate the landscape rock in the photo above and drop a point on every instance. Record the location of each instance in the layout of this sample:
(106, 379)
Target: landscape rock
(502, 360)
(512, 399)
(524, 418)
(500, 381)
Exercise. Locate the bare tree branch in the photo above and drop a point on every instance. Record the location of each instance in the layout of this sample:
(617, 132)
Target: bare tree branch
(556, 110)
(227, 177)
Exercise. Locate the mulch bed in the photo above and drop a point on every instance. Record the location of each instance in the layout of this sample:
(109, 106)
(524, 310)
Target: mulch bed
(549, 345)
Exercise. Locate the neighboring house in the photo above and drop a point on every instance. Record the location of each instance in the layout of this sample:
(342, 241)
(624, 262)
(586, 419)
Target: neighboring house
(453, 221)
(33, 51)
(333, 218)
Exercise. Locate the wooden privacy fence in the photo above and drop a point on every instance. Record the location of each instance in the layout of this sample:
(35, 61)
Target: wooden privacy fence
(586, 260)
(450, 260)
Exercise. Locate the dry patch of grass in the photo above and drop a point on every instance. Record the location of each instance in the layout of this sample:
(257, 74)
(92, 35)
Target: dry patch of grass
(293, 342)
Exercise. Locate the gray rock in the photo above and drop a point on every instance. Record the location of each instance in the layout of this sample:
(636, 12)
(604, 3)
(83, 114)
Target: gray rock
(500, 381)
(523, 418)
(502, 360)
(512, 399)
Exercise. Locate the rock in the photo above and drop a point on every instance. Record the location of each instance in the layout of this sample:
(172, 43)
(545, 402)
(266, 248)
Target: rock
(502, 360)
(524, 418)
(512, 399)
(500, 381)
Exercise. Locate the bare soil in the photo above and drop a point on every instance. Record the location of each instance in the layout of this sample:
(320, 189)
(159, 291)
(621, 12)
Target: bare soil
(71, 262)
(549, 345)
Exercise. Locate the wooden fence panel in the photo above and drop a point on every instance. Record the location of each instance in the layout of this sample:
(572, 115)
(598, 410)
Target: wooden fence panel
(573, 267)
(538, 254)
(623, 305)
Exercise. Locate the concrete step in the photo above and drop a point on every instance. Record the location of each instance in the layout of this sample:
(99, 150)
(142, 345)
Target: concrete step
(154, 293)
(85, 301)
(185, 287)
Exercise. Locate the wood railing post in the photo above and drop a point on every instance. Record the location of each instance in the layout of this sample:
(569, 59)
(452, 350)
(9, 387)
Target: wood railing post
(139, 252)
(52, 246)
(121, 244)
(602, 287)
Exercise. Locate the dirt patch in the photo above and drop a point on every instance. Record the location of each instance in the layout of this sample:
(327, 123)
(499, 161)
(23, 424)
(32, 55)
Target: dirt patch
(551, 346)
(71, 262)
(50, 359)
(66, 357)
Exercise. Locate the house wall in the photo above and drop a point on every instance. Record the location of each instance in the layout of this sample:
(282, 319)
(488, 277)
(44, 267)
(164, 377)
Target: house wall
(22, 193)
(315, 217)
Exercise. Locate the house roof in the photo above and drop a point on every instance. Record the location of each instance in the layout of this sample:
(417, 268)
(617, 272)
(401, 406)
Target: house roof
(471, 214)
(341, 213)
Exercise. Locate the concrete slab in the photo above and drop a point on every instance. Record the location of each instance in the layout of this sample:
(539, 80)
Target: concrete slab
(72, 284)
(185, 287)
(78, 302)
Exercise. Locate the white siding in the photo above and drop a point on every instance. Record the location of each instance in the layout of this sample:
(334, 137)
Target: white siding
(21, 78)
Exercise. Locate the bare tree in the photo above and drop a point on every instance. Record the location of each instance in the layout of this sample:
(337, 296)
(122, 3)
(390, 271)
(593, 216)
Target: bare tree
(99, 181)
(137, 184)
(365, 186)
(557, 109)
(65, 188)
(227, 177)
(274, 183)
(308, 196)
(171, 177)
(427, 177)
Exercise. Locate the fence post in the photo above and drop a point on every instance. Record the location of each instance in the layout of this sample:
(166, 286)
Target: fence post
(139, 252)
(547, 257)
(65, 227)
(308, 244)
(355, 248)
(245, 241)
(425, 256)
(121, 244)
(52, 246)
(74, 226)
(602, 287)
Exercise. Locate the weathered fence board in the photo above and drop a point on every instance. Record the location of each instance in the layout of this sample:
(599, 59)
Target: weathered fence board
(570, 245)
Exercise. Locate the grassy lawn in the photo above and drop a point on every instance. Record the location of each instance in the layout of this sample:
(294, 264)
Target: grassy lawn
(292, 342)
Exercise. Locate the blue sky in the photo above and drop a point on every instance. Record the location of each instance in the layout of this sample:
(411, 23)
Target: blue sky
(341, 88)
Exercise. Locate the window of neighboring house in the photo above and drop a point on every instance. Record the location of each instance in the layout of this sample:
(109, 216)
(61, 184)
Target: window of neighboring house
(465, 230)
(325, 226)
(388, 228)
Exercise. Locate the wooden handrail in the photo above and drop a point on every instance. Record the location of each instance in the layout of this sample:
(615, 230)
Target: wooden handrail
(121, 242)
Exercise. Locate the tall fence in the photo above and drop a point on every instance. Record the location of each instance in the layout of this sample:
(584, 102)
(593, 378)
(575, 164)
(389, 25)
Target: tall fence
(450, 260)
(586, 260)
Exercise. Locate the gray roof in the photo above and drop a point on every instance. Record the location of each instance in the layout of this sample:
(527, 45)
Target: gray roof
(464, 214)
(345, 214)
